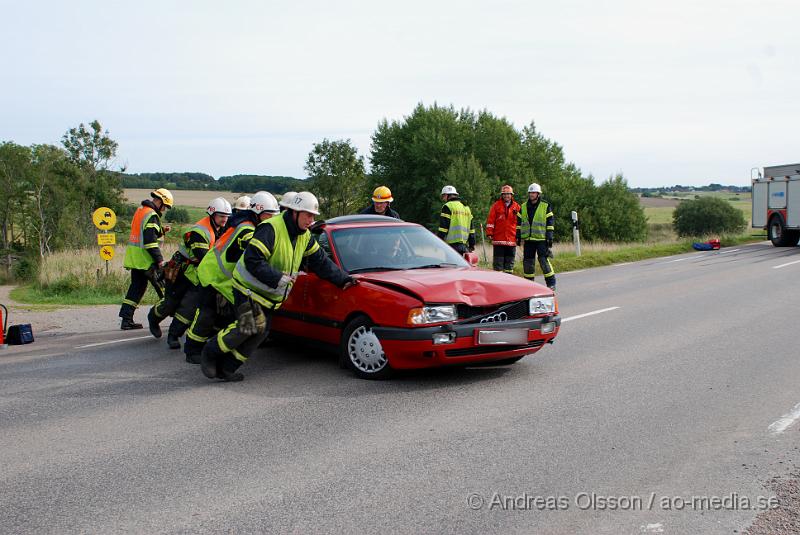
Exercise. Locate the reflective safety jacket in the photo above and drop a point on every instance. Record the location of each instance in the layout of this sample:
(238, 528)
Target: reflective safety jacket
(216, 268)
(142, 250)
(284, 256)
(535, 221)
(455, 224)
(196, 243)
(501, 225)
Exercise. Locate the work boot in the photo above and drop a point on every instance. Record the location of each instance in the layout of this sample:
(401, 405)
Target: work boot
(234, 377)
(209, 359)
(129, 325)
(173, 342)
(193, 358)
(152, 322)
(226, 368)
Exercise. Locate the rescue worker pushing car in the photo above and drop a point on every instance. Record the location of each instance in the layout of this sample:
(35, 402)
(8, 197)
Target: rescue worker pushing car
(501, 228)
(180, 300)
(215, 273)
(381, 203)
(262, 279)
(535, 229)
(142, 254)
(455, 222)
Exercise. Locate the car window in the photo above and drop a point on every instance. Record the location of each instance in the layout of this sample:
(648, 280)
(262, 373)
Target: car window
(322, 240)
(392, 247)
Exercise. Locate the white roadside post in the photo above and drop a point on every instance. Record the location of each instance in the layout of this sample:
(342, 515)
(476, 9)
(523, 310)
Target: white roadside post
(576, 233)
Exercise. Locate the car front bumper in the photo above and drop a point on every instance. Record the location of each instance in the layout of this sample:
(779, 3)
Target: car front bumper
(414, 347)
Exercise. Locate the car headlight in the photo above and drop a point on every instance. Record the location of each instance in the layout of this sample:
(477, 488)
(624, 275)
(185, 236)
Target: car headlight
(542, 305)
(432, 314)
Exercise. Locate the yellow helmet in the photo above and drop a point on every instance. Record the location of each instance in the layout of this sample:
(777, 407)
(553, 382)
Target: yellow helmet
(164, 195)
(382, 194)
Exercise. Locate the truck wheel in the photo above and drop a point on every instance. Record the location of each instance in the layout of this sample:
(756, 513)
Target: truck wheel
(362, 352)
(779, 235)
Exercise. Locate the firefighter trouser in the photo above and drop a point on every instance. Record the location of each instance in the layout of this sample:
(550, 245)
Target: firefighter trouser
(209, 318)
(180, 302)
(230, 346)
(461, 248)
(532, 249)
(503, 257)
(135, 293)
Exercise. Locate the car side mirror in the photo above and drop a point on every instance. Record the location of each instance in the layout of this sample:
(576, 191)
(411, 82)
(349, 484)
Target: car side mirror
(472, 258)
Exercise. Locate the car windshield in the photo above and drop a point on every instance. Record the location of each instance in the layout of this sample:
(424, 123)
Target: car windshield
(387, 248)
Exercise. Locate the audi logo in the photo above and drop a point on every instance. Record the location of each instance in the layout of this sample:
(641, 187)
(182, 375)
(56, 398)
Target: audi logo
(500, 316)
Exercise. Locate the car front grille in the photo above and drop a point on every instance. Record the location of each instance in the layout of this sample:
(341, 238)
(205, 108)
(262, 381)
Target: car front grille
(494, 313)
(483, 350)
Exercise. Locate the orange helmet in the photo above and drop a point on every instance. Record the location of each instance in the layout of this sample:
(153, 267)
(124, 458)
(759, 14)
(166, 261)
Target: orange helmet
(382, 194)
(507, 189)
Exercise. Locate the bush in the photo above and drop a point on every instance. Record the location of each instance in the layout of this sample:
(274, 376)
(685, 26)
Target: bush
(177, 215)
(707, 215)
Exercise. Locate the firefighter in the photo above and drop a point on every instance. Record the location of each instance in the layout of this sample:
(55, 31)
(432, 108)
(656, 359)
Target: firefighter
(241, 204)
(142, 254)
(286, 198)
(262, 280)
(501, 228)
(180, 300)
(455, 222)
(535, 228)
(215, 273)
(381, 200)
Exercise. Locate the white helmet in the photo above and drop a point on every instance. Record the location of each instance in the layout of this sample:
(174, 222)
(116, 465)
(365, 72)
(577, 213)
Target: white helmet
(305, 201)
(242, 203)
(449, 190)
(534, 188)
(219, 206)
(264, 201)
(286, 198)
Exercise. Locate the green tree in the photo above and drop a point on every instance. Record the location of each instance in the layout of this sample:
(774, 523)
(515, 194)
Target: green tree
(337, 177)
(15, 169)
(707, 215)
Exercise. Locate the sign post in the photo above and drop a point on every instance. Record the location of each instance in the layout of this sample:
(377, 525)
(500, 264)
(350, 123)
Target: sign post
(105, 219)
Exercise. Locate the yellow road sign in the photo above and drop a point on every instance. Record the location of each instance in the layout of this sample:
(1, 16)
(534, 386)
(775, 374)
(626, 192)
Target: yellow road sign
(106, 252)
(104, 218)
(107, 239)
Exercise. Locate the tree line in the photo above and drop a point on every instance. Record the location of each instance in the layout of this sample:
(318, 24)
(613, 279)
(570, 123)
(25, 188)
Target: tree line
(48, 192)
(202, 181)
(477, 152)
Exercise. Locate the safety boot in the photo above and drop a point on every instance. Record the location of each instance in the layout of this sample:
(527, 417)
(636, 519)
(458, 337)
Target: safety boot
(173, 342)
(129, 325)
(226, 368)
(209, 359)
(234, 377)
(193, 358)
(152, 323)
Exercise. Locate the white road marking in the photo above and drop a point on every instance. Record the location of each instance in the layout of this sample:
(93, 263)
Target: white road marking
(112, 342)
(624, 264)
(782, 424)
(676, 260)
(576, 271)
(786, 264)
(652, 528)
(729, 251)
(579, 316)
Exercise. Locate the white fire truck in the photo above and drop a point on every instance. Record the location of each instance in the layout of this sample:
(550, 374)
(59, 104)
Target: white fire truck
(776, 203)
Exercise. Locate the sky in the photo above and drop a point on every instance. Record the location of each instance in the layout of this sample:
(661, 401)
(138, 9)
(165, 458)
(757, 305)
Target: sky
(679, 92)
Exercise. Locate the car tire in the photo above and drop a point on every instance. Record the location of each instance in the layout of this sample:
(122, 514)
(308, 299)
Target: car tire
(361, 351)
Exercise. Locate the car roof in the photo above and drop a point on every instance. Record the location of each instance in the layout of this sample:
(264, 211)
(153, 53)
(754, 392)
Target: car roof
(359, 220)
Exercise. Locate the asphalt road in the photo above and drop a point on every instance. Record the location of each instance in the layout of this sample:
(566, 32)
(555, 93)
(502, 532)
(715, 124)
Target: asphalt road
(683, 383)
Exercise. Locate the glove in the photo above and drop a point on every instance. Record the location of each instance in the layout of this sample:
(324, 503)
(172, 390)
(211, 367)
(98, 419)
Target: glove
(246, 320)
(471, 249)
(549, 242)
(548, 238)
(549, 253)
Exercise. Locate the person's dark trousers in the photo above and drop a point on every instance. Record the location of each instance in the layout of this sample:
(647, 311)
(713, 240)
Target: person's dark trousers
(531, 250)
(503, 257)
(206, 321)
(172, 298)
(135, 293)
(224, 353)
(460, 248)
(185, 313)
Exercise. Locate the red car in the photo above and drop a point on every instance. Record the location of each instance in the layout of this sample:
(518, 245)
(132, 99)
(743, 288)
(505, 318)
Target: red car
(418, 303)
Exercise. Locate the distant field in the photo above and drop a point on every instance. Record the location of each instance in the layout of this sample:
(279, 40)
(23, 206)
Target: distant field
(193, 198)
(659, 209)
